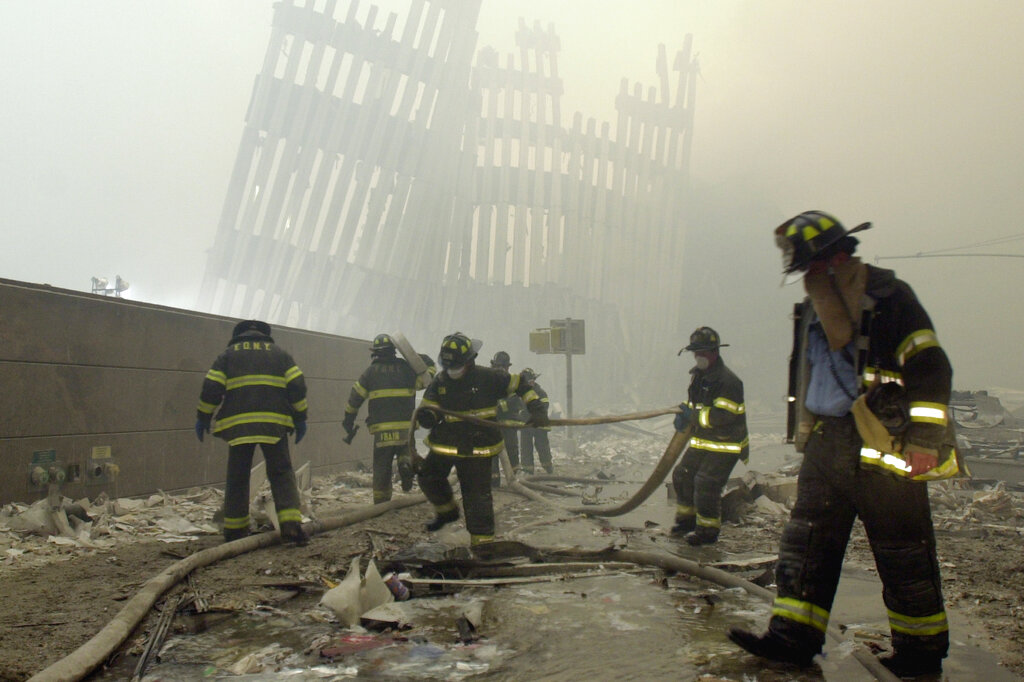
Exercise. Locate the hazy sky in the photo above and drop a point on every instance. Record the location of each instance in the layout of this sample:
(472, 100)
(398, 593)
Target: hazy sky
(121, 120)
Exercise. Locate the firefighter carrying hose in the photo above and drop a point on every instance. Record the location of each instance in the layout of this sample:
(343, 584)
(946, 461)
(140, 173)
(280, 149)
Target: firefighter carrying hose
(536, 436)
(389, 388)
(262, 397)
(464, 387)
(864, 350)
(715, 409)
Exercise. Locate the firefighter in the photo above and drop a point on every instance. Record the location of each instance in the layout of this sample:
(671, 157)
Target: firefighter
(466, 388)
(509, 410)
(262, 398)
(860, 334)
(716, 411)
(538, 435)
(389, 386)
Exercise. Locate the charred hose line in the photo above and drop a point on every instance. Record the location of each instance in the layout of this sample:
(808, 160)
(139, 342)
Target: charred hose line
(92, 654)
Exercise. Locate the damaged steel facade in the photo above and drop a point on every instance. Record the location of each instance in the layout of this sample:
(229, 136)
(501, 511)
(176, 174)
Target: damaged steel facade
(387, 180)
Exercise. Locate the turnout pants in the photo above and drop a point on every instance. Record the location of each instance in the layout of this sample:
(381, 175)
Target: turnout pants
(540, 438)
(698, 481)
(511, 439)
(387, 447)
(832, 491)
(475, 481)
(279, 473)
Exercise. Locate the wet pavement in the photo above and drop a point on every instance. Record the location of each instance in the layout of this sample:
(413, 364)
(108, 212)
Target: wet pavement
(611, 625)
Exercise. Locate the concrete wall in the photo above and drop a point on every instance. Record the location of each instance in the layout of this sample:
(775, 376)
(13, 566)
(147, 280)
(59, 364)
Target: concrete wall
(85, 375)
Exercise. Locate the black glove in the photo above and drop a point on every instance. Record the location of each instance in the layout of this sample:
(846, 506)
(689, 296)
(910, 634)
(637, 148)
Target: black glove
(684, 418)
(300, 431)
(201, 428)
(428, 419)
(539, 419)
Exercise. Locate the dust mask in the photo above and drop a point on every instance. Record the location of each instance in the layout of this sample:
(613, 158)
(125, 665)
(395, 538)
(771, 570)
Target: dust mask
(456, 372)
(701, 362)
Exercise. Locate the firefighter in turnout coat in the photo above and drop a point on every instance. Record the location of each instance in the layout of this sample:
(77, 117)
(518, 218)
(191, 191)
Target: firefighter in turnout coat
(715, 409)
(388, 386)
(535, 436)
(466, 388)
(869, 387)
(262, 398)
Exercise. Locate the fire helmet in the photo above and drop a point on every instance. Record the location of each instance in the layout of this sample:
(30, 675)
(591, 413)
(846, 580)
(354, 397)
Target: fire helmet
(382, 345)
(704, 338)
(528, 375)
(813, 235)
(456, 350)
(501, 360)
(251, 325)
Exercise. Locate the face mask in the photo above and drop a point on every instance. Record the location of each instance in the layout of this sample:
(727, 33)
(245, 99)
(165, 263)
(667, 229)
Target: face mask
(701, 362)
(456, 372)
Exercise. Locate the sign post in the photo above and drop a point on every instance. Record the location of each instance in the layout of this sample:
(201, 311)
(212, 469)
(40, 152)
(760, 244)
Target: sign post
(566, 336)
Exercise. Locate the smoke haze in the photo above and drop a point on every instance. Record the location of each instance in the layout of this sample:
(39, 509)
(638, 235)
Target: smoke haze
(122, 120)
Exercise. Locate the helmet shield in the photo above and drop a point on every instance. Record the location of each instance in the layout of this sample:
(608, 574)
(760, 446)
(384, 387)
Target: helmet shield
(528, 374)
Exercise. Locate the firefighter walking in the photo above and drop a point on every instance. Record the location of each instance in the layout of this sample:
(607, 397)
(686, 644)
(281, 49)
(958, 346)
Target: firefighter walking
(509, 409)
(388, 386)
(261, 394)
(467, 389)
(865, 353)
(717, 413)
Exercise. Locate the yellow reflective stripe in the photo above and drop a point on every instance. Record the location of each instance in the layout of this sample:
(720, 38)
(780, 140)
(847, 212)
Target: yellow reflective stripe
(716, 446)
(351, 410)
(480, 539)
(255, 380)
(382, 495)
(289, 515)
(730, 406)
(218, 377)
(236, 523)
(920, 626)
(685, 510)
(708, 521)
(513, 384)
(253, 418)
(530, 396)
(885, 460)
(482, 413)
(300, 406)
(358, 388)
(801, 611)
(246, 440)
(932, 413)
(451, 450)
(392, 393)
(914, 344)
(389, 426)
(882, 375)
(292, 373)
(206, 408)
(429, 403)
(705, 417)
(445, 508)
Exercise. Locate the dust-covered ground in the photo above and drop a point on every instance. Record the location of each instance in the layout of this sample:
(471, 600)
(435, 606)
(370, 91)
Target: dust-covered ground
(56, 596)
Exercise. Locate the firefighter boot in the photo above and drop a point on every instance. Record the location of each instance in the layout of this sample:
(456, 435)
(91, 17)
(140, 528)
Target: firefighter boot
(702, 536)
(406, 475)
(684, 525)
(773, 647)
(442, 520)
(293, 532)
(903, 664)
